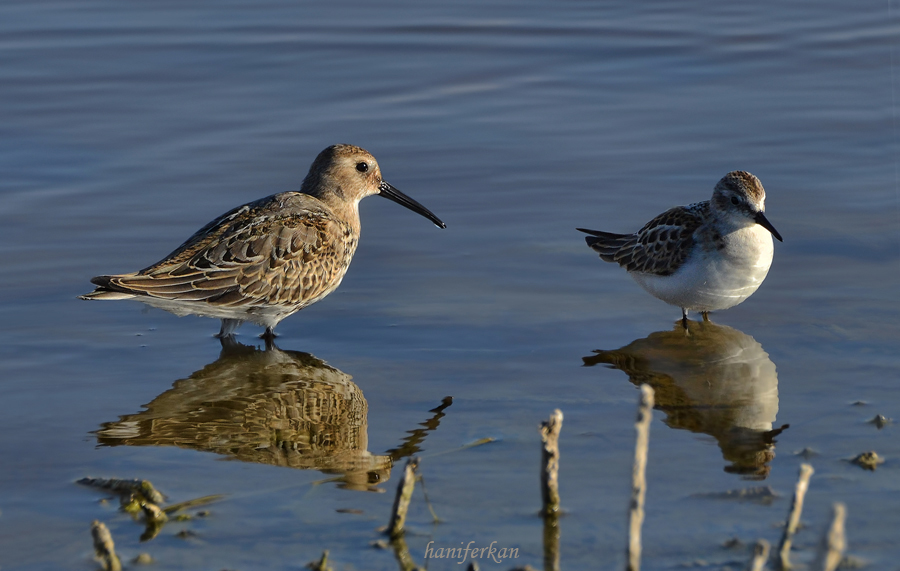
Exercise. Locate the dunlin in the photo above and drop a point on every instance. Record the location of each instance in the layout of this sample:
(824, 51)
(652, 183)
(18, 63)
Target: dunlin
(270, 258)
(703, 257)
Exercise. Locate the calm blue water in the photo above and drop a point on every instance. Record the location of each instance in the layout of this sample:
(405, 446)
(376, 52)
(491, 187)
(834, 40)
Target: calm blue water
(125, 127)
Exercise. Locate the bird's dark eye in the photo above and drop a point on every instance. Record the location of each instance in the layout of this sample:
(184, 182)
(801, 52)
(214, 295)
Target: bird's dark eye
(362, 167)
(734, 199)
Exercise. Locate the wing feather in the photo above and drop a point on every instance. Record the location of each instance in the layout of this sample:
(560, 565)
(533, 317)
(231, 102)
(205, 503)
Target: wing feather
(659, 248)
(259, 254)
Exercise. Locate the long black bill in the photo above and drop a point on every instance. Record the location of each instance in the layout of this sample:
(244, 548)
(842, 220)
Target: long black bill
(764, 222)
(391, 193)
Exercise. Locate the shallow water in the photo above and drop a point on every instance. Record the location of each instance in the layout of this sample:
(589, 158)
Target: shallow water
(125, 127)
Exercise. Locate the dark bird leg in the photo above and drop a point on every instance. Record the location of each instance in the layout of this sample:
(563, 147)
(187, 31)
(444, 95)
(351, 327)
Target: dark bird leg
(705, 315)
(684, 318)
(269, 335)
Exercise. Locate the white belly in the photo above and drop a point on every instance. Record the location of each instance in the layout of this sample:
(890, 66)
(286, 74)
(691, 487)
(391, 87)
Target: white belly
(713, 279)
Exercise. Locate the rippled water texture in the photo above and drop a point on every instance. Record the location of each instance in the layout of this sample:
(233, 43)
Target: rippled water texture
(124, 127)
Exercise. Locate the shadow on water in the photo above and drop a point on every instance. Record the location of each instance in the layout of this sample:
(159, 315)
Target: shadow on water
(713, 380)
(283, 408)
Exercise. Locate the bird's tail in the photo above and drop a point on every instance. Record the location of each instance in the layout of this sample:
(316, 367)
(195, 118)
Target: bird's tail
(606, 244)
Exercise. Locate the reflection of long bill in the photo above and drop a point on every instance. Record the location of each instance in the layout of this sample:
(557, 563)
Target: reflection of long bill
(283, 408)
(716, 380)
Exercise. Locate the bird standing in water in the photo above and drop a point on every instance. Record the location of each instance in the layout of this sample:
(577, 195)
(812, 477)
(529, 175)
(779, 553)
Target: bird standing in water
(703, 257)
(270, 258)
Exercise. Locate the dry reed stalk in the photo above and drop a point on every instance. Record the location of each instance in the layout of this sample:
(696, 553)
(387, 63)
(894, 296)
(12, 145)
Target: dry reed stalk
(401, 500)
(104, 547)
(638, 478)
(793, 522)
(760, 556)
(831, 550)
(551, 542)
(550, 463)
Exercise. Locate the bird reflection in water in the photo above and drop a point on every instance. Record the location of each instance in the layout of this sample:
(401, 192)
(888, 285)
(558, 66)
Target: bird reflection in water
(283, 408)
(716, 380)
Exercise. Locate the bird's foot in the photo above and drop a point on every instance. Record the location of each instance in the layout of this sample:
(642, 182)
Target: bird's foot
(684, 323)
(269, 337)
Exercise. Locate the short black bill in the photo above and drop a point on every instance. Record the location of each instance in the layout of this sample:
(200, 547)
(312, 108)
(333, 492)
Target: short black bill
(391, 193)
(764, 222)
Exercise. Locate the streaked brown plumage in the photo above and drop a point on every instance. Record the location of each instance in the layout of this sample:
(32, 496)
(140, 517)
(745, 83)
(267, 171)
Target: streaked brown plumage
(267, 259)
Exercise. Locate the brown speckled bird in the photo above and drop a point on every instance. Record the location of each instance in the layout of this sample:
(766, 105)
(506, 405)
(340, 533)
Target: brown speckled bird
(270, 258)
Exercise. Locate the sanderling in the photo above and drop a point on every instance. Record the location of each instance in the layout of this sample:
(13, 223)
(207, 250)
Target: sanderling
(704, 257)
(270, 258)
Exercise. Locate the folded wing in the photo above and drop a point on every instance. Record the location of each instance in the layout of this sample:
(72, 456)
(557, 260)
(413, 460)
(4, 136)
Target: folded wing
(257, 254)
(659, 248)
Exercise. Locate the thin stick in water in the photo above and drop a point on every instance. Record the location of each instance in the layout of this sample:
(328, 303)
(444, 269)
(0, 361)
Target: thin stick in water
(143, 488)
(550, 463)
(550, 510)
(831, 550)
(193, 503)
(104, 547)
(551, 542)
(401, 553)
(401, 500)
(793, 522)
(760, 556)
(321, 564)
(434, 516)
(638, 478)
